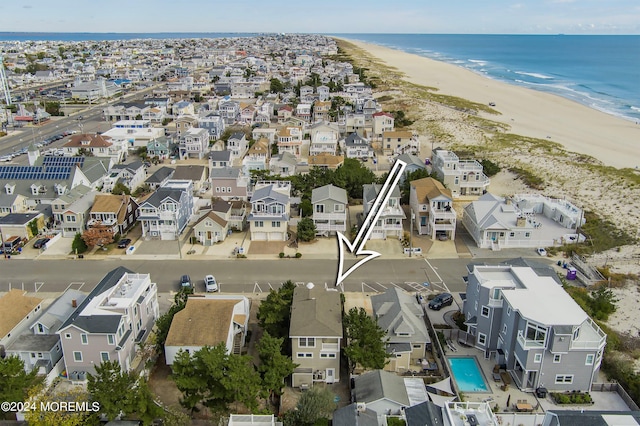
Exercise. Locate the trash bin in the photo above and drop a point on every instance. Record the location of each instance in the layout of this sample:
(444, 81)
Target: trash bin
(541, 392)
(81, 256)
(571, 273)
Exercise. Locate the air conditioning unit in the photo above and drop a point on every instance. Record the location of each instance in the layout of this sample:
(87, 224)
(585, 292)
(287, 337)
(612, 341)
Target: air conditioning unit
(361, 407)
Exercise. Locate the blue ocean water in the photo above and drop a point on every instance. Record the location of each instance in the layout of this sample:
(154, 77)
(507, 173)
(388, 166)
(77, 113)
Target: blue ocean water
(599, 71)
(602, 72)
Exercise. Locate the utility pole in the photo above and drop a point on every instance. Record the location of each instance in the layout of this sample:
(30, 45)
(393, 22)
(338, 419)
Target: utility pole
(413, 216)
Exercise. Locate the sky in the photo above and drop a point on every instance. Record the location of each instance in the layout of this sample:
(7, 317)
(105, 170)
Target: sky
(324, 16)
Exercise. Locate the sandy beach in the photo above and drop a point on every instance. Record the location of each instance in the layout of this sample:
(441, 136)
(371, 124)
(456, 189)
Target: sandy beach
(612, 140)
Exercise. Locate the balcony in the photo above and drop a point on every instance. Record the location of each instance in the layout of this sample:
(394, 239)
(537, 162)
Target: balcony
(495, 303)
(443, 214)
(330, 216)
(591, 337)
(330, 347)
(330, 227)
(106, 222)
(472, 183)
(529, 344)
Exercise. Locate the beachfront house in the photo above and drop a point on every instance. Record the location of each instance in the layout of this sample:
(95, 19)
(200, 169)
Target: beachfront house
(356, 146)
(462, 177)
(432, 208)
(522, 220)
(315, 333)
(330, 210)
(400, 142)
(283, 164)
(382, 122)
(390, 222)
(528, 323)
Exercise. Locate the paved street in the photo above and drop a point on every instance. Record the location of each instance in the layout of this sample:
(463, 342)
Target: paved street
(241, 275)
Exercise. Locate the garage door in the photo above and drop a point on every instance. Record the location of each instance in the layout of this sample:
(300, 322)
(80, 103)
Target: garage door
(259, 236)
(276, 236)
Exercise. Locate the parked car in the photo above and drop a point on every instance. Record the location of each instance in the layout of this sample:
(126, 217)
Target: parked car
(40, 242)
(123, 243)
(541, 251)
(210, 284)
(185, 282)
(440, 301)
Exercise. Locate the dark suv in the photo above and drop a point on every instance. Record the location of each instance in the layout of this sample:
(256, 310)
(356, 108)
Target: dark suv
(185, 282)
(440, 301)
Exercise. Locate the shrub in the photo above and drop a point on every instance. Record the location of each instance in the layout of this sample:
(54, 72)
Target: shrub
(281, 255)
(298, 255)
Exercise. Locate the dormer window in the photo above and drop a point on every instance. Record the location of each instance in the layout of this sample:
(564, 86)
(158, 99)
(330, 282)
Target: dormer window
(34, 189)
(85, 142)
(9, 188)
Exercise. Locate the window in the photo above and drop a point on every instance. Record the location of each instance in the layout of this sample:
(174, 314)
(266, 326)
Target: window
(564, 378)
(482, 339)
(304, 355)
(275, 224)
(512, 234)
(111, 339)
(228, 189)
(416, 346)
(57, 348)
(217, 189)
(485, 311)
(557, 358)
(527, 234)
(77, 356)
(39, 354)
(319, 208)
(40, 328)
(328, 355)
(536, 333)
(576, 333)
(504, 329)
(104, 356)
(84, 339)
(70, 218)
(590, 359)
(33, 354)
(67, 336)
(339, 208)
(508, 310)
(259, 223)
(537, 358)
(307, 342)
(135, 311)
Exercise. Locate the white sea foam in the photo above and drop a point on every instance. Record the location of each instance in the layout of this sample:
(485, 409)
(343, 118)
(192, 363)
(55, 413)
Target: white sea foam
(535, 75)
(478, 61)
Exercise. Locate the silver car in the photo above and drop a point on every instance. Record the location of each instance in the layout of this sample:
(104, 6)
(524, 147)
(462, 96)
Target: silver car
(210, 284)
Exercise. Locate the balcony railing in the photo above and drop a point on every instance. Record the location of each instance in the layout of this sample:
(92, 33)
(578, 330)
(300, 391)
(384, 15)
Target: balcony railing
(328, 227)
(330, 216)
(529, 344)
(443, 215)
(330, 347)
(495, 303)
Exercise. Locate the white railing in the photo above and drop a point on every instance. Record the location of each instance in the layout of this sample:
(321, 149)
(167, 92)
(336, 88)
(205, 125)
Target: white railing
(495, 303)
(529, 344)
(330, 216)
(443, 215)
(327, 227)
(473, 182)
(330, 347)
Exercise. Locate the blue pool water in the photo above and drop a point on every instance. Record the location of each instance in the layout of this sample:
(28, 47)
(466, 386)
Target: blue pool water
(466, 373)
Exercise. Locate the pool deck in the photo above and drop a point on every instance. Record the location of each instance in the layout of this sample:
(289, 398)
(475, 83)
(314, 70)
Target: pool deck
(479, 369)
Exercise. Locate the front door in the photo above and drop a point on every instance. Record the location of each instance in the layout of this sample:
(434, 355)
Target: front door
(331, 375)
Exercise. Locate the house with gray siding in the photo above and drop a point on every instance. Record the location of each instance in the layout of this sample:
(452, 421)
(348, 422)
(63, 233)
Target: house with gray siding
(389, 224)
(110, 323)
(330, 210)
(528, 323)
(462, 177)
(165, 214)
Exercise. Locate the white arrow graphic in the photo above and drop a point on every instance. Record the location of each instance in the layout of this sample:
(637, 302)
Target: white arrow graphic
(357, 246)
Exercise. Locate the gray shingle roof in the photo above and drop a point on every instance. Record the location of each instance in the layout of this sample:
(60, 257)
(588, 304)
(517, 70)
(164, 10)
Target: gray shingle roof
(398, 312)
(34, 342)
(349, 416)
(378, 384)
(269, 191)
(424, 414)
(316, 312)
(18, 218)
(329, 192)
(355, 139)
(161, 194)
(225, 173)
(161, 174)
(57, 312)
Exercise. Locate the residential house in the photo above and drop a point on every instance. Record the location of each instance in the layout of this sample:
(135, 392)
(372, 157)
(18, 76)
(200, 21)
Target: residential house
(19, 225)
(354, 123)
(71, 210)
(40, 348)
(289, 139)
(160, 177)
(208, 321)
(316, 335)
(264, 132)
(194, 173)
(522, 220)
(247, 113)
(285, 112)
(130, 134)
(109, 325)
(388, 394)
(17, 312)
(213, 123)
(230, 111)
(230, 183)
(220, 159)
(354, 414)
(321, 111)
(89, 145)
(355, 146)
(158, 148)
(323, 142)
(400, 142)
(303, 112)
(120, 212)
(155, 114)
(326, 161)
(390, 222)
(94, 90)
(12, 203)
(126, 111)
(402, 318)
(283, 164)
(184, 123)
(432, 208)
(237, 145)
(462, 177)
(257, 156)
(165, 214)
(382, 122)
(211, 228)
(270, 211)
(531, 325)
(194, 143)
(330, 210)
(323, 93)
(182, 108)
(413, 163)
(130, 175)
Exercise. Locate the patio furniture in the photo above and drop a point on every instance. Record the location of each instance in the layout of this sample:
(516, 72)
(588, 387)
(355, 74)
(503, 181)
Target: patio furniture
(496, 377)
(524, 407)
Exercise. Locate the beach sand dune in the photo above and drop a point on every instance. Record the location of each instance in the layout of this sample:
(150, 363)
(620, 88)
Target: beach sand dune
(611, 140)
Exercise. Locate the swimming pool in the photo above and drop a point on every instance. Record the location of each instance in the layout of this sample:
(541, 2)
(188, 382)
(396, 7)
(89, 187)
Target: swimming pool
(466, 372)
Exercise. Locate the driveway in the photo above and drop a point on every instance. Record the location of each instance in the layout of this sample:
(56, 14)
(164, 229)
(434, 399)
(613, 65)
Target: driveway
(156, 247)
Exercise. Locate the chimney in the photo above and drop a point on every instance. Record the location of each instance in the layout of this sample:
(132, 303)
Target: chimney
(74, 303)
(521, 222)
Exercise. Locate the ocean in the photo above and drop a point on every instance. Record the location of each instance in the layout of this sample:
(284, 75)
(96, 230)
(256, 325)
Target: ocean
(599, 71)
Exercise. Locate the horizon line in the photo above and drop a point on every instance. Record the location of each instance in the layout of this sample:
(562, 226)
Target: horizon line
(315, 33)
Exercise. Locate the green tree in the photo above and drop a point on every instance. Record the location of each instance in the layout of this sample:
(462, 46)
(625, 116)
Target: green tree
(146, 408)
(276, 86)
(314, 405)
(78, 245)
(274, 313)
(366, 341)
(405, 186)
(274, 366)
(15, 382)
(163, 323)
(306, 229)
(188, 372)
(37, 417)
(352, 175)
(602, 302)
(120, 188)
(306, 208)
(489, 167)
(113, 388)
(241, 381)
(53, 108)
